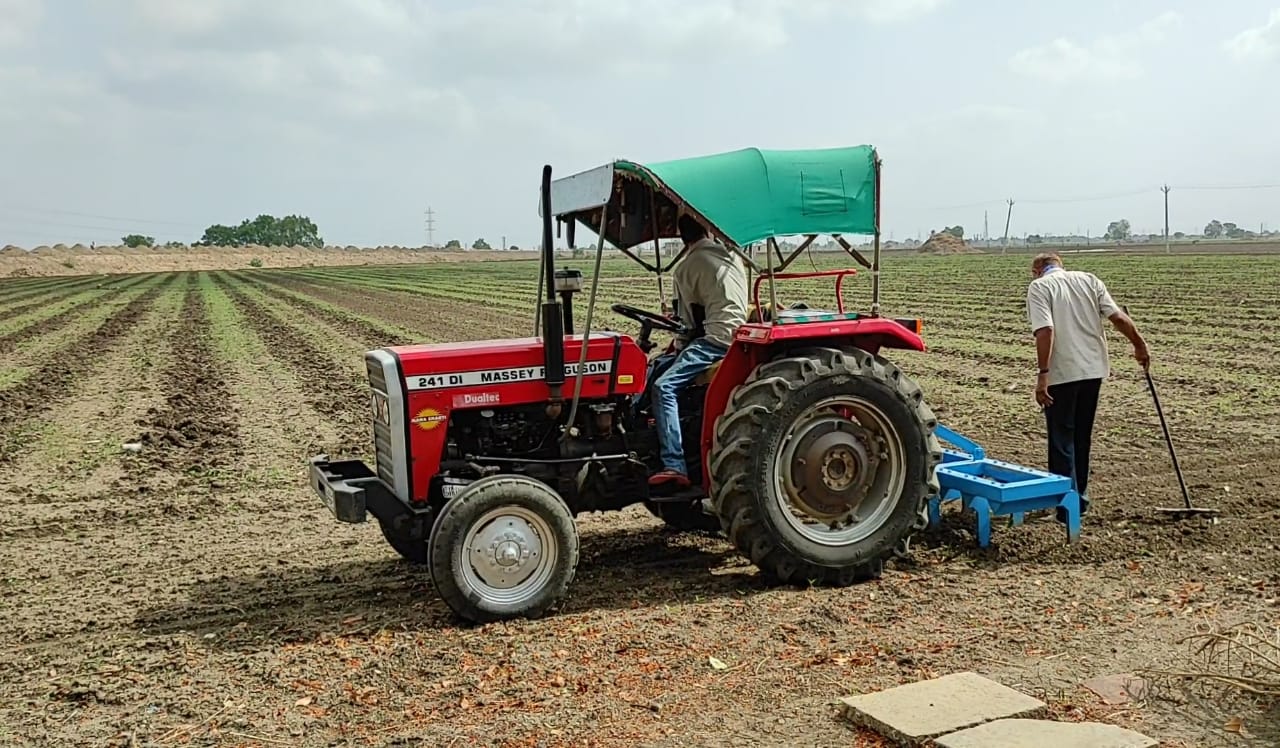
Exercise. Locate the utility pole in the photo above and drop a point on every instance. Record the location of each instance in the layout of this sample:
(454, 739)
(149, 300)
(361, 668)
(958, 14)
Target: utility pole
(431, 227)
(1165, 190)
(986, 229)
(1004, 243)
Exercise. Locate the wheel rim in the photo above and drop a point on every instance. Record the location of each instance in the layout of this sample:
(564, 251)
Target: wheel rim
(840, 472)
(509, 554)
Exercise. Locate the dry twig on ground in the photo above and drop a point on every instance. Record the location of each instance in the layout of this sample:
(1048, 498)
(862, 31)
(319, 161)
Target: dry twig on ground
(1244, 658)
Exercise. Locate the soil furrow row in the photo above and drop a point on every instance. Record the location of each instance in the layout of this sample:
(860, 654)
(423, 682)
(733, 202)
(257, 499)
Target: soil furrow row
(50, 286)
(194, 432)
(340, 398)
(45, 297)
(456, 321)
(40, 327)
(371, 335)
(55, 380)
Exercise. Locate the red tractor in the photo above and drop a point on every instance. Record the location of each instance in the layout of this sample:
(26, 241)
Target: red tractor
(811, 451)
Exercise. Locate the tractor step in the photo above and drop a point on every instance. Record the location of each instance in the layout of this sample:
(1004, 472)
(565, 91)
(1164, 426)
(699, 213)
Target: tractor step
(692, 493)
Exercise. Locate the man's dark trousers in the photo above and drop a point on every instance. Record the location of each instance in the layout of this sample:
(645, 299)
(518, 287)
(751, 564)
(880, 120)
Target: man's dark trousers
(1070, 425)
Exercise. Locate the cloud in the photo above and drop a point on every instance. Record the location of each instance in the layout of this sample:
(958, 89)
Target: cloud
(1111, 57)
(18, 18)
(1257, 44)
(873, 11)
(430, 62)
(500, 38)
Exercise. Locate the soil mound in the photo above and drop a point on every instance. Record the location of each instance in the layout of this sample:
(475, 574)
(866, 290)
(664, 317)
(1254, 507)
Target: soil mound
(942, 243)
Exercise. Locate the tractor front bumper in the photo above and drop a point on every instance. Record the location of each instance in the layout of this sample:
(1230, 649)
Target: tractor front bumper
(351, 490)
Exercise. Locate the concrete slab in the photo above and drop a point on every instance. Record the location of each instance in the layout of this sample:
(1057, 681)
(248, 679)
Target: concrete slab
(1034, 733)
(915, 713)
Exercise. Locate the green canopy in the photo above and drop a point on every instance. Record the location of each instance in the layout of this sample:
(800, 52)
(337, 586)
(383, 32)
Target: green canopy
(753, 194)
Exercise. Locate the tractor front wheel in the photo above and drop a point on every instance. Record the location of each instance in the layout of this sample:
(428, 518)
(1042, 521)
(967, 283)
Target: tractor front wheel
(823, 464)
(505, 547)
(411, 549)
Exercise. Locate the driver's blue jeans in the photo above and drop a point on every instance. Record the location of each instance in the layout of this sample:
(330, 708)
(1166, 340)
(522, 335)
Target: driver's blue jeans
(692, 360)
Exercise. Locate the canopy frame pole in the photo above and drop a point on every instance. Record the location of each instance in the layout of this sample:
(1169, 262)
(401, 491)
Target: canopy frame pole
(808, 239)
(875, 255)
(657, 248)
(852, 251)
(773, 296)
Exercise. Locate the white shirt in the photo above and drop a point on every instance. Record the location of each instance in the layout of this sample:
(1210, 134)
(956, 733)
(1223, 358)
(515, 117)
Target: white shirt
(1074, 303)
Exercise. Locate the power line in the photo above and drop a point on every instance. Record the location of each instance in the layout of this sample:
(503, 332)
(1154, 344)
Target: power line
(1110, 196)
(61, 224)
(122, 219)
(1234, 187)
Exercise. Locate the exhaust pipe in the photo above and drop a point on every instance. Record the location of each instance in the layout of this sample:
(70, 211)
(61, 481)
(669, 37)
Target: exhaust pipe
(552, 320)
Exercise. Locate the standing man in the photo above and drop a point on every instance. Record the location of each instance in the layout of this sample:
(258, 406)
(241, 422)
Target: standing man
(711, 300)
(1066, 309)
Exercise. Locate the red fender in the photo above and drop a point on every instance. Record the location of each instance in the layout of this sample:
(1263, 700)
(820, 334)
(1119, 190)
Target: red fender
(755, 344)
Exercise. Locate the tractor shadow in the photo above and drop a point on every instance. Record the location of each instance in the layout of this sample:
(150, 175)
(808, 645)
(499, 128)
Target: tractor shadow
(618, 570)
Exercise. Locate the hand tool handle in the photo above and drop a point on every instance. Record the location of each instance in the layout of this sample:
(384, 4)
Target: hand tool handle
(1151, 385)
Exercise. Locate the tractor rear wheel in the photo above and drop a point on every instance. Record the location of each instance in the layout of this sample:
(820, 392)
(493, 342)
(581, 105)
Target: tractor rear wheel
(505, 547)
(823, 464)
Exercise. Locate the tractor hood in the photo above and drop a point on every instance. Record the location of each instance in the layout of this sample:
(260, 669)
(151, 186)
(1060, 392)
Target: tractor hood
(446, 376)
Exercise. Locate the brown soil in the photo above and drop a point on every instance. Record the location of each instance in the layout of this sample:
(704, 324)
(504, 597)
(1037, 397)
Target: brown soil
(192, 435)
(53, 380)
(11, 340)
(198, 594)
(943, 243)
(46, 261)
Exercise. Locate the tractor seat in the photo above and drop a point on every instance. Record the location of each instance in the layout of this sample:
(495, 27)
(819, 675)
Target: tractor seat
(706, 376)
(814, 315)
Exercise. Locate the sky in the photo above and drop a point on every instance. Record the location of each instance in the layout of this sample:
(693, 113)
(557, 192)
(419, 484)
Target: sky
(162, 117)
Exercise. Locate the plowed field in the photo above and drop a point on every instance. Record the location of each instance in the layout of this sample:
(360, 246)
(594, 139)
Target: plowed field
(194, 592)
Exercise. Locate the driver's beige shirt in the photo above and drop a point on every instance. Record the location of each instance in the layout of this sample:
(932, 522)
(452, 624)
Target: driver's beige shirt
(713, 276)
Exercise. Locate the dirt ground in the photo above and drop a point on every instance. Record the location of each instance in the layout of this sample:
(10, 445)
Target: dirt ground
(80, 260)
(169, 579)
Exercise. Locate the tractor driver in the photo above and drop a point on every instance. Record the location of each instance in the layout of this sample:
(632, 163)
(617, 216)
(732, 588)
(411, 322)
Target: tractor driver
(711, 298)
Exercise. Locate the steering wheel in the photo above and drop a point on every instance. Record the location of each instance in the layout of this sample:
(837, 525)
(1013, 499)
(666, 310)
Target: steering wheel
(648, 319)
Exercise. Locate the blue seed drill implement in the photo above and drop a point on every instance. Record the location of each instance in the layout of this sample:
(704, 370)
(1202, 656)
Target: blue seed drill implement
(991, 488)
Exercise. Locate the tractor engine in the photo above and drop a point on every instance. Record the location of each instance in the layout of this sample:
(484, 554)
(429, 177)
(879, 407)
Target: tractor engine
(590, 463)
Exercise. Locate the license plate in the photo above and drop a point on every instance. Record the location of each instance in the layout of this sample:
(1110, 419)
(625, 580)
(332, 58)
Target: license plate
(451, 490)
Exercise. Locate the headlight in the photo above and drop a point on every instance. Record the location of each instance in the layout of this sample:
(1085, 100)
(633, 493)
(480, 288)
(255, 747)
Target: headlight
(381, 409)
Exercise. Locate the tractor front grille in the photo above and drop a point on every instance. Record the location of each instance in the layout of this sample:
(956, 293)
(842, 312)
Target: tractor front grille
(387, 407)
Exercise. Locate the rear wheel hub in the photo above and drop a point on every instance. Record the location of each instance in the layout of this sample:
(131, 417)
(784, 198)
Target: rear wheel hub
(832, 464)
(840, 471)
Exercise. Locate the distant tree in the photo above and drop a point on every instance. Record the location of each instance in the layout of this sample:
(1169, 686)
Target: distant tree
(956, 231)
(514, 248)
(1179, 235)
(480, 244)
(174, 245)
(1117, 230)
(1233, 231)
(453, 244)
(267, 231)
(138, 240)
(1035, 239)
(1213, 229)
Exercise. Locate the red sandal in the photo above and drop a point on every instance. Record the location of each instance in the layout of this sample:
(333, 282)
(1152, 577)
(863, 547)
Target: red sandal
(669, 476)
